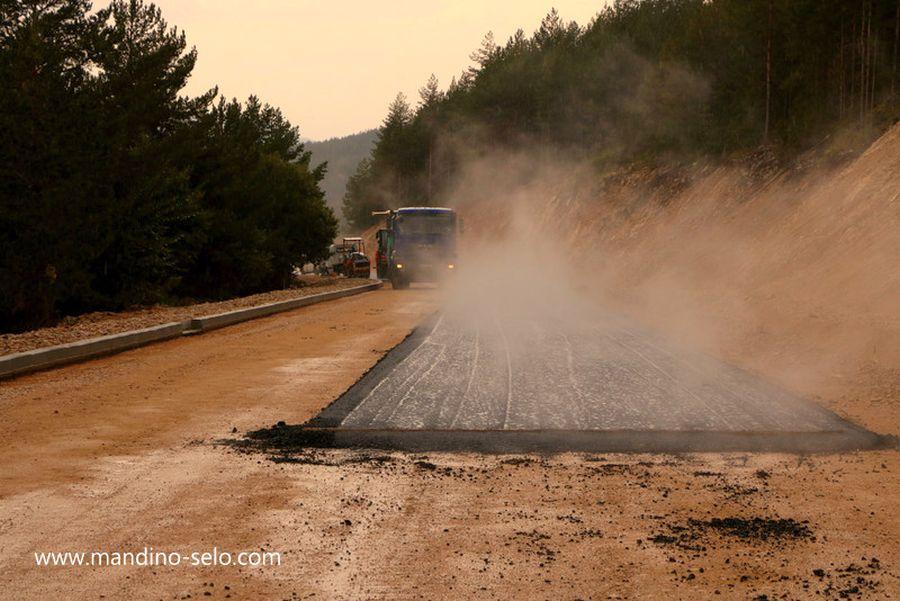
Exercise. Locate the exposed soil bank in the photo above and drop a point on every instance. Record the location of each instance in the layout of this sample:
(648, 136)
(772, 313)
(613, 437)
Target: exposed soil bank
(791, 275)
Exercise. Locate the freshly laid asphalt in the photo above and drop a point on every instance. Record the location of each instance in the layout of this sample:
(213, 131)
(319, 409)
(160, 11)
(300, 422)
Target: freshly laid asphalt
(488, 380)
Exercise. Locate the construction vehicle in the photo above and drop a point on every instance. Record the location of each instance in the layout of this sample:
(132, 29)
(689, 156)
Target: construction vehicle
(348, 258)
(417, 244)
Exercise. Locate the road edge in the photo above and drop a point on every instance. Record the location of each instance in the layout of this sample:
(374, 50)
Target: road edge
(25, 362)
(337, 410)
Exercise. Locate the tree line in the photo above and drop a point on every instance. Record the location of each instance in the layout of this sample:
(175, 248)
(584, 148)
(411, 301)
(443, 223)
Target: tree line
(645, 80)
(117, 189)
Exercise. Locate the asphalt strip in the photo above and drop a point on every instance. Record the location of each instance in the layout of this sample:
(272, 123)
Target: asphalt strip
(325, 429)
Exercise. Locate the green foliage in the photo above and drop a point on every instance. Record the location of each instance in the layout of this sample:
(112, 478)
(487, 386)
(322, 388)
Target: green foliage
(648, 79)
(361, 199)
(117, 190)
(394, 170)
(261, 204)
(46, 208)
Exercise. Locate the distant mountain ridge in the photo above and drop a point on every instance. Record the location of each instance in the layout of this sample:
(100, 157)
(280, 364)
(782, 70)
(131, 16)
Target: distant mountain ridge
(343, 155)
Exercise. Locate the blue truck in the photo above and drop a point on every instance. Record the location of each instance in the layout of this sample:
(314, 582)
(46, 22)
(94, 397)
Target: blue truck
(417, 244)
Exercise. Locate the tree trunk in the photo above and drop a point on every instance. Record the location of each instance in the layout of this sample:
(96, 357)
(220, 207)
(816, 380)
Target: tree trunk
(851, 99)
(768, 77)
(429, 172)
(874, 64)
(841, 74)
(896, 38)
(862, 61)
(871, 48)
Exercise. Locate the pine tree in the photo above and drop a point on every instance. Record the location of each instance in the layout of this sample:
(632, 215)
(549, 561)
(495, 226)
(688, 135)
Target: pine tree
(551, 27)
(427, 118)
(391, 136)
(430, 95)
(399, 113)
(486, 52)
(50, 151)
(143, 67)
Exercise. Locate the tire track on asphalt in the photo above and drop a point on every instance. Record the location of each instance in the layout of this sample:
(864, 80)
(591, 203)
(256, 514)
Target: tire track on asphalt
(372, 392)
(434, 363)
(465, 395)
(582, 418)
(700, 403)
(776, 413)
(509, 378)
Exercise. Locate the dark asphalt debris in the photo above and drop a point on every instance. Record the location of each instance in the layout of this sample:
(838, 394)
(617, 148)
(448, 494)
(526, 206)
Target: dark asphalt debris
(758, 528)
(691, 536)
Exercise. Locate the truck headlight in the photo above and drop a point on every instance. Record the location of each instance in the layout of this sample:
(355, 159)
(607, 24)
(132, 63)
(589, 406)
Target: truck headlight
(399, 265)
(451, 266)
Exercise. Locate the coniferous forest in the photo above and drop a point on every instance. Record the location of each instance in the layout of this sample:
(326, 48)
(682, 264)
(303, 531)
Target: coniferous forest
(645, 81)
(117, 189)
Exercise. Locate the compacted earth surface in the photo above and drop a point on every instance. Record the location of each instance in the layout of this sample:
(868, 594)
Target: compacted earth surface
(148, 449)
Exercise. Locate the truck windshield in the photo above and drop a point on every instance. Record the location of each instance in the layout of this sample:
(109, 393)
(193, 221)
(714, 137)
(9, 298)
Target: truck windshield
(425, 223)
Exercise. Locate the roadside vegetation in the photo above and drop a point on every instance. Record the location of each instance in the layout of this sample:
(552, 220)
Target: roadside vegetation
(117, 189)
(647, 81)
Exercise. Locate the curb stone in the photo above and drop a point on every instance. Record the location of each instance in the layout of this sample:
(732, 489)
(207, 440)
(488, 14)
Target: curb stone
(55, 356)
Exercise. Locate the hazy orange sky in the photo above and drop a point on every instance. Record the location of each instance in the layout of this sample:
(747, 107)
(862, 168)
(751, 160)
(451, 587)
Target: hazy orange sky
(333, 67)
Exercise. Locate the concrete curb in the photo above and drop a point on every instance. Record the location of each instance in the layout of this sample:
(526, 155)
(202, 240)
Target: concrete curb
(211, 322)
(54, 356)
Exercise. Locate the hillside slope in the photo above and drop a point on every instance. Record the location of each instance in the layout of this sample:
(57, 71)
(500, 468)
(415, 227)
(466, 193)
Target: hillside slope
(343, 155)
(794, 276)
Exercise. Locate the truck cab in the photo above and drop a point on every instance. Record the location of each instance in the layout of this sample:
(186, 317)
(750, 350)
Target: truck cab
(417, 244)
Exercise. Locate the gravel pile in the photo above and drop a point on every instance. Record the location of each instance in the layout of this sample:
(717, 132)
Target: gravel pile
(92, 325)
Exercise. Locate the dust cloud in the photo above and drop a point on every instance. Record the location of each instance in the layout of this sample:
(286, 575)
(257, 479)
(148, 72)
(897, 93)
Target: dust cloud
(791, 274)
(511, 262)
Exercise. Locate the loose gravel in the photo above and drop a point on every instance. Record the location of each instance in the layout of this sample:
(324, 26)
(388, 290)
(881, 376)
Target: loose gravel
(101, 323)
